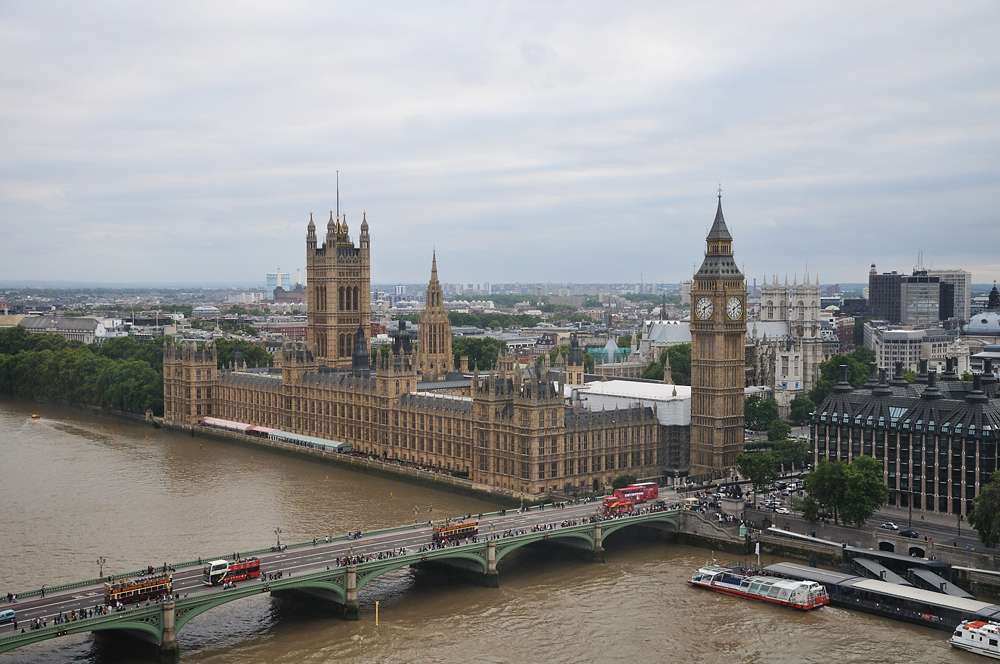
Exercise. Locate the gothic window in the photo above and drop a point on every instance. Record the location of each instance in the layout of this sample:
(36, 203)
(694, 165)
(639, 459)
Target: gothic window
(770, 310)
(340, 346)
(802, 313)
(355, 298)
(340, 298)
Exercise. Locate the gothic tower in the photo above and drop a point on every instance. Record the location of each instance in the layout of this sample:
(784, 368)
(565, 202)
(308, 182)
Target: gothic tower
(718, 315)
(338, 284)
(434, 356)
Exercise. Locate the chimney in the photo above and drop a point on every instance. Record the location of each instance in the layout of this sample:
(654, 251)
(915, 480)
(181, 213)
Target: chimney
(463, 364)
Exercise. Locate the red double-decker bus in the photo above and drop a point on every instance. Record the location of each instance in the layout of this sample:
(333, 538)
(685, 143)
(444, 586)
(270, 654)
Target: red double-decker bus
(650, 490)
(218, 571)
(639, 493)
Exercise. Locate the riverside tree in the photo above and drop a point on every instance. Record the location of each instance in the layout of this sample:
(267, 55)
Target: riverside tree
(985, 514)
(758, 469)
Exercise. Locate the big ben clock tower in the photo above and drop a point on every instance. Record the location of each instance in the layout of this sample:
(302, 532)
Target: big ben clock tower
(718, 328)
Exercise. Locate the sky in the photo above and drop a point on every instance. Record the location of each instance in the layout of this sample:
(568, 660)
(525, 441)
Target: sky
(538, 141)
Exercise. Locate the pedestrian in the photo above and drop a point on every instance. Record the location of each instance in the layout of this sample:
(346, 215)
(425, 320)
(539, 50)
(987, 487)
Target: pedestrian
(43, 590)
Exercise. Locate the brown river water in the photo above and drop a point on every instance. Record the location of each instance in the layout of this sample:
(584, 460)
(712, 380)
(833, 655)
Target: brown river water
(74, 488)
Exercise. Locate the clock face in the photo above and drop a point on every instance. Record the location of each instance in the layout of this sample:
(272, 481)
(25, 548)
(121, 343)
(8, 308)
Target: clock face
(704, 308)
(734, 308)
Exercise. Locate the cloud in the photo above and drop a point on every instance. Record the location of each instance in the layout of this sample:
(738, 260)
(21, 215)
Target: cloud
(565, 142)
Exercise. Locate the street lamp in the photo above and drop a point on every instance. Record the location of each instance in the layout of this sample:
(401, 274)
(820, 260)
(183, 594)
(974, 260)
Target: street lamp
(278, 531)
(909, 522)
(416, 510)
(959, 524)
(100, 564)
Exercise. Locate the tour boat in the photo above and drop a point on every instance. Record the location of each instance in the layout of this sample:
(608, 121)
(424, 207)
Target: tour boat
(36, 416)
(982, 638)
(803, 595)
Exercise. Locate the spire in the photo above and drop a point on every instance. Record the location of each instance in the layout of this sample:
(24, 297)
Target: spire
(719, 230)
(331, 226)
(364, 223)
(312, 226)
(434, 265)
(338, 194)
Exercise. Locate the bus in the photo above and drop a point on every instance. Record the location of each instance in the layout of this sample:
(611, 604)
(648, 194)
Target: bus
(650, 490)
(455, 531)
(128, 591)
(218, 571)
(616, 505)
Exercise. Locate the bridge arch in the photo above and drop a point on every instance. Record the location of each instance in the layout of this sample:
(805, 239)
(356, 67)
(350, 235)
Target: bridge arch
(669, 519)
(368, 572)
(584, 536)
(917, 551)
(886, 546)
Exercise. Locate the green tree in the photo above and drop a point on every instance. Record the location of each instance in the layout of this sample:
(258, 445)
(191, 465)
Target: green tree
(680, 363)
(910, 375)
(778, 430)
(865, 490)
(826, 485)
(653, 371)
(985, 514)
(758, 469)
(802, 408)
(624, 341)
(758, 413)
(481, 351)
(857, 372)
(254, 355)
(810, 509)
(966, 376)
(623, 481)
(793, 453)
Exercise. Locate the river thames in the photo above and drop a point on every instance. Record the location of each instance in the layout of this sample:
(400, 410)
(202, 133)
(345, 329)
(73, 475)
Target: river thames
(75, 488)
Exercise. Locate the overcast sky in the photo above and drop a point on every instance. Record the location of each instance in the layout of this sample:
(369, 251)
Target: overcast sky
(572, 141)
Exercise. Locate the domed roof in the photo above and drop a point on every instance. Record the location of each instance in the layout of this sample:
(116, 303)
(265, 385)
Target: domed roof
(987, 322)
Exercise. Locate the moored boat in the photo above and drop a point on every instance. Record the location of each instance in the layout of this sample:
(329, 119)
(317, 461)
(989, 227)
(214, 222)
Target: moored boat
(980, 637)
(36, 416)
(802, 595)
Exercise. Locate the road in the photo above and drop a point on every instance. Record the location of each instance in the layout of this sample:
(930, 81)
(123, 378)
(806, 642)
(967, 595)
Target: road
(188, 581)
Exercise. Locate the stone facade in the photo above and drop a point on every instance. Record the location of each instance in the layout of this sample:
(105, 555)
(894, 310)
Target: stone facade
(511, 429)
(718, 328)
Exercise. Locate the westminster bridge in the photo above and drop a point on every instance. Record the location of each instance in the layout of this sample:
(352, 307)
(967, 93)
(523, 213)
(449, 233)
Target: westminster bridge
(328, 570)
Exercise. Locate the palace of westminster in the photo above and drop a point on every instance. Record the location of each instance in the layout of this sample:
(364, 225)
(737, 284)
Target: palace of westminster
(512, 428)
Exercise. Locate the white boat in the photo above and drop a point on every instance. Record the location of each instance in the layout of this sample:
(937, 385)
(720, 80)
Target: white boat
(802, 595)
(982, 638)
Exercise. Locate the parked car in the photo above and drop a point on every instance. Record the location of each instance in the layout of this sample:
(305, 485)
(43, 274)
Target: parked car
(889, 525)
(910, 533)
(782, 510)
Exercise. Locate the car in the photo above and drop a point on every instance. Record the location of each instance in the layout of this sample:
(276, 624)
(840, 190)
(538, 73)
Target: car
(782, 510)
(7, 615)
(889, 525)
(910, 533)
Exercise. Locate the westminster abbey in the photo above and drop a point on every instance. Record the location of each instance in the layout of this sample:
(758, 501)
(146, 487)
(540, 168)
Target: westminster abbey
(511, 428)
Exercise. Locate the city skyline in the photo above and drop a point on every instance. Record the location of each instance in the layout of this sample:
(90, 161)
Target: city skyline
(191, 145)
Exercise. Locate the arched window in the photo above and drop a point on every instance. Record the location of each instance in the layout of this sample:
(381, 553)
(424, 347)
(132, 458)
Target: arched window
(340, 346)
(802, 313)
(340, 298)
(355, 298)
(770, 310)
(349, 344)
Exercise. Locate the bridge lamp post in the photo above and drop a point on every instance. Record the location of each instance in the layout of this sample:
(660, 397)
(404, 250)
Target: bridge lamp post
(100, 565)
(416, 510)
(491, 531)
(278, 531)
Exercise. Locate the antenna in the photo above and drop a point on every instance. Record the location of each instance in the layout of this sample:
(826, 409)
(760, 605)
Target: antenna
(338, 194)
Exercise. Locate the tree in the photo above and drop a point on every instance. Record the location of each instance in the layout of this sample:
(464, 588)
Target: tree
(623, 481)
(857, 372)
(778, 430)
(865, 490)
(910, 375)
(826, 485)
(624, 341)
(802, 408)
(791, 452)
(253, 355)
(758, 413)
(680, 363)
(966, 376)
(985, 514)
(810, 509)
(481, 351)
(654, 371)
(758, 469)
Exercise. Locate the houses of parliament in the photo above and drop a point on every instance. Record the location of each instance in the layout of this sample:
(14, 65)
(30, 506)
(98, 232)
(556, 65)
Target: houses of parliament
(511, 428)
